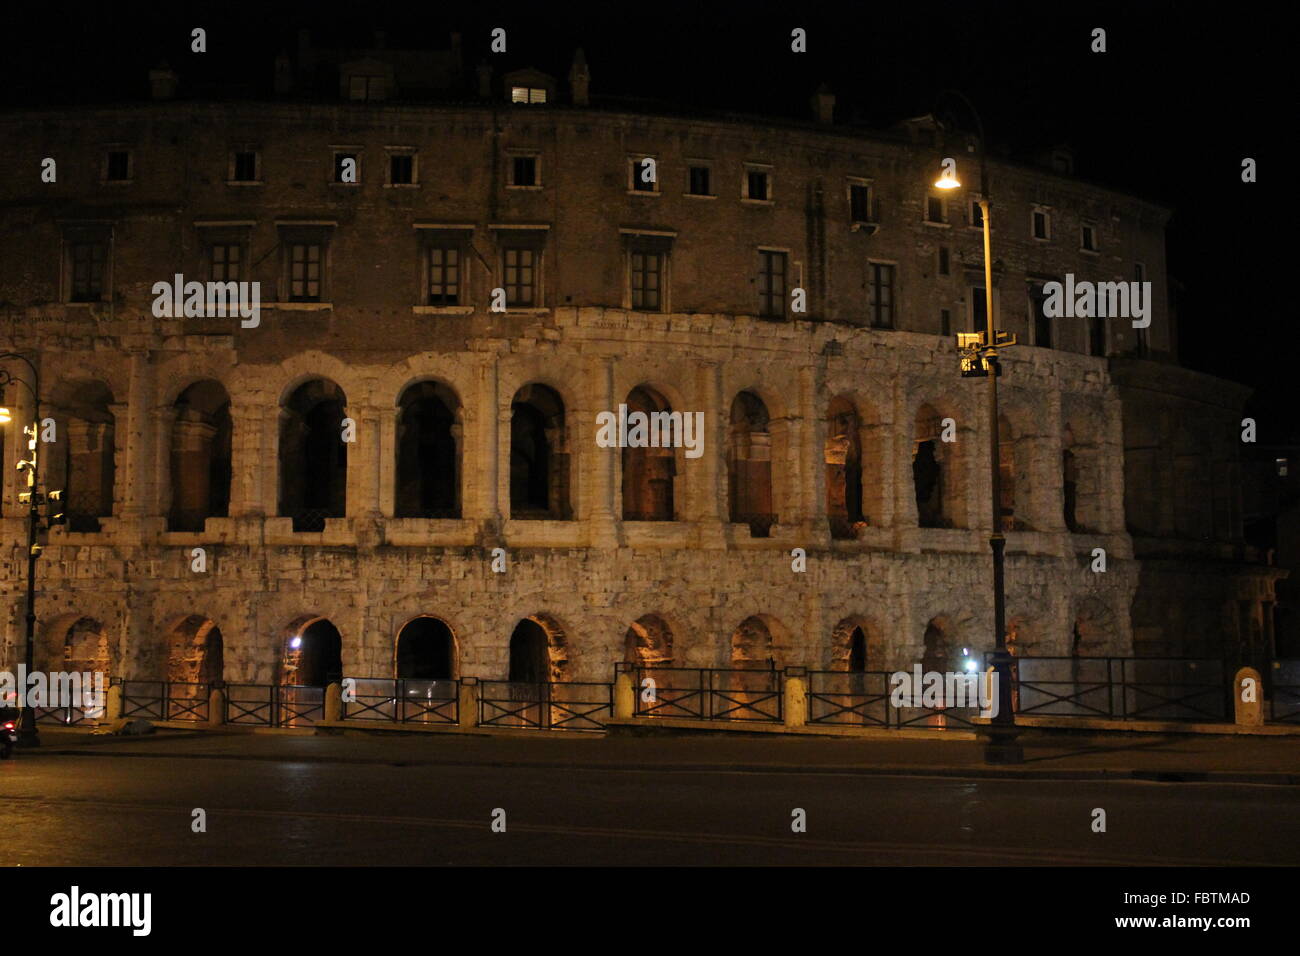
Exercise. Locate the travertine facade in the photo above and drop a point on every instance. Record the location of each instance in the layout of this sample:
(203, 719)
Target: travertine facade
(475, 430)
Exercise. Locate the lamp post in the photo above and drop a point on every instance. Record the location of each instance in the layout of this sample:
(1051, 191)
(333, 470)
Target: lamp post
(980, 358)
(33, 498)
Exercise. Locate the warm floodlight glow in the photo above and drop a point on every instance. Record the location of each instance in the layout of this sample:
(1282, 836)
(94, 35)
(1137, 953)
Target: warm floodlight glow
(947, 181)
(5, 417)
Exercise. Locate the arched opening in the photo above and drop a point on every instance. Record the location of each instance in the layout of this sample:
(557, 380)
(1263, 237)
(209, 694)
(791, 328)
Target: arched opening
(752, 645)
(428, 452)
(749, 465)
(843, 469)
(200, 456)
(530, 657)
(426, 650)
(195, 652)
(938, 650)
(1070, 490)
(857, 651)
(935, 475)
(82, 461)
(539, 455)
(648, 642)
(313, 655)
(85, 648)
(313, 455)
(648, 473)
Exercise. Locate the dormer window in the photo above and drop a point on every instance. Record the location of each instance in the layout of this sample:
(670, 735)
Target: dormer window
(527, 94)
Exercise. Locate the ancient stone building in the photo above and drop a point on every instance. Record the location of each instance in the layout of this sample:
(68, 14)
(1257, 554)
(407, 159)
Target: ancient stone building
(221, 525)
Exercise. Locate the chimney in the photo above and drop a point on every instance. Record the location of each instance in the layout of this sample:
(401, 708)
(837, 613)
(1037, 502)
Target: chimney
(580, 80)
(283, 74)
(485, 80)
(162, 82)
(823, 104)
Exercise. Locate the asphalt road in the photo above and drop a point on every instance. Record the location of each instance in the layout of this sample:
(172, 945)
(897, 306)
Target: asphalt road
(138, 810)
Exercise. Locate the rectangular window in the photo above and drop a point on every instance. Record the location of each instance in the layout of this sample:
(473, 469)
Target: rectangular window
(1088, 238)
(860, 202)
(305, 261)
(443, 263)
(945, 322)
(1040, 320)
(1041, 225)
(523, 171)
(757, 185)
(245, 167)
(527, 94)
(771, 284)
(118, 168)
(945, 266)
(347, 168)
(226, 259)
(647, 280)
(87, 260)
(520, 269)
(401, 169)
(882, 296)
(976, 214)
(934, 209)
(644, 176)
(1097, 336)
(699, 181)
(979, 310)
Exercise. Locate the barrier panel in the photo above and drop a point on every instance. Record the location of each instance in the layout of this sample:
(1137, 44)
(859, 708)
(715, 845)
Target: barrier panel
(563, 705)
(251, 704)
(404, 700)
(856, 698)
(165, 700)
(708, 693)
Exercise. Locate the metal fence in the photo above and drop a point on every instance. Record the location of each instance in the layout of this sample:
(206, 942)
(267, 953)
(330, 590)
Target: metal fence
(1124, 688)
(567, 705)
(858, 699)
(403, 700)
(165, 700)
(709, 693)
(251, 704)
(1284, 701)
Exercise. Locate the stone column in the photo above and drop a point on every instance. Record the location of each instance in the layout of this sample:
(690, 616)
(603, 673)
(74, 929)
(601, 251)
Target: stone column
(363, 463)
(124, 452)
(600, 504)
(484, 461)
(1046, 482)
(387, 461)
(254, 466)
(134, 433)
(812, 483)
(706, 500)
(167, 445)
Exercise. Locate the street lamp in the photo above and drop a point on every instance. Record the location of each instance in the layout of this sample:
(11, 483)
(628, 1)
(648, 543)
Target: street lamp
(979, 351)
(33, 498)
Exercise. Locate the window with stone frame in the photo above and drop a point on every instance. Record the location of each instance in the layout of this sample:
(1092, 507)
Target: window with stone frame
(647, 265)
(444, 272)
(306, 264)
(881, 304)
(773, 268)
(87, 263)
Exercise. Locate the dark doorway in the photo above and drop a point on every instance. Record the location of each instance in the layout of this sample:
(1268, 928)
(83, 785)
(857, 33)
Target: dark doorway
(857, 651)
(426, 650)
(313, 456)
(529, 655)
(314, 656)
(428, 484)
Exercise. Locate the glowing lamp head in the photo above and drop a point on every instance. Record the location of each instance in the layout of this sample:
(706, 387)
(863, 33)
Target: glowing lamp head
(295, 643)
(947, 181)
(5, 416)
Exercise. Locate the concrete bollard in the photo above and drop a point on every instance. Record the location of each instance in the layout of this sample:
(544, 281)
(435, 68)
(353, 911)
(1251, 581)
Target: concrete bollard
(624, 696)
(467, 702)
(796, 697)
(112, 704)
(333, 703)
(1248, 698)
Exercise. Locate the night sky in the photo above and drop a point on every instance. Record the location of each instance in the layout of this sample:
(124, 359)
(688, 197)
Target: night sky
(1183, 93)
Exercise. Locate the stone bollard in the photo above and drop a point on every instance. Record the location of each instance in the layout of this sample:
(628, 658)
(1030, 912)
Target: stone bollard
(112, 704)
(796, 697)
(467, 702)
(216, 707)
(1248, 698)
(333, 703)
(624, 696)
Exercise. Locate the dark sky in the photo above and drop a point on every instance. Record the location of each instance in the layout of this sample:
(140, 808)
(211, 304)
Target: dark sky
(1183, 93)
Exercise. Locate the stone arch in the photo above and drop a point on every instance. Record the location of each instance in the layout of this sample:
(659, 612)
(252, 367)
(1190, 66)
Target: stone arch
(312, 653)
(940, 647)
(749, 465)
(538, 650)
(843, 458)
(539, 455)
(758, 642)
(1092, 628)
(77, 643)
(857, 645)
(83, 461)
(195, 651)
(649, 474)
(426, 649)
(649, 642)
(938, 472)
(201, 445)
(429, 451)
(313, 456)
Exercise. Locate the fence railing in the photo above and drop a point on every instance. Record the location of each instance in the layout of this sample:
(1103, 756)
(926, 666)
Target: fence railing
(1121, 688)
(1284, 701)
(165, 700)
(708, 693)
(403, 700)
(566, 705)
